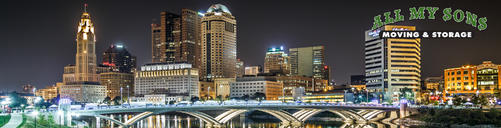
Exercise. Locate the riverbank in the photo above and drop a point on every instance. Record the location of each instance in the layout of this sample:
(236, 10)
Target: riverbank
(455, 118)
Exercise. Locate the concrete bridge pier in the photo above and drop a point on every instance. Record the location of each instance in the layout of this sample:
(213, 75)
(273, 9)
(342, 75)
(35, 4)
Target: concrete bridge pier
(378, 117)
(295, 124)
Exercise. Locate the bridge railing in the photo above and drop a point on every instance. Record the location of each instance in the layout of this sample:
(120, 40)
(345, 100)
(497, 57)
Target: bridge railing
(281, 104)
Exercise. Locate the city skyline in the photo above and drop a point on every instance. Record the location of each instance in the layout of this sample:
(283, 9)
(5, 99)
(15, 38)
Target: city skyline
(343, 45)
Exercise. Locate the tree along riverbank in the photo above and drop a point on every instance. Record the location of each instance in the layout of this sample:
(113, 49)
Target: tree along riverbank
(458, 117)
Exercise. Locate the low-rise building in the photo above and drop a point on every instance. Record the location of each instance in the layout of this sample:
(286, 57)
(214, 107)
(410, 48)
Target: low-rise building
(118, 84)
(29, 96)
(480, 79)
(252, 70)
(222, 86)
(83, 91)
(250, 85)
(206, 88)
(178, 78)
(48, 92)
(310, 84)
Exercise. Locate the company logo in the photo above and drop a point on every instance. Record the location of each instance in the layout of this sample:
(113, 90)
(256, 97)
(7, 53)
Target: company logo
(374, 33)
(400, 29)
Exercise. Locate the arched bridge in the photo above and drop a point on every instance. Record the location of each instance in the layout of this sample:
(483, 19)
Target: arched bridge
(353, 113)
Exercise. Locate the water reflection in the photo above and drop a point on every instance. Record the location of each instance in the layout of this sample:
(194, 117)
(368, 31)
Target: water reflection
(185, 121)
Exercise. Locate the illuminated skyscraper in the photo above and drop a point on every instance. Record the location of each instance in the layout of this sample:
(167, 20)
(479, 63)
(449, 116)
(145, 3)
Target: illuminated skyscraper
(219, 43)
(391, 64)
(307, 61)
(276, 60)
(179, 36)
(86, 55)
(156, 43)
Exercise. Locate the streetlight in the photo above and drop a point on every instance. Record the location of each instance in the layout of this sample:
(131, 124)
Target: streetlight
(222, 92)
(283, 95)
(121, 98)
(60, 114)
(208, 93)
(128, 94)
(366, 90)
(35, 113)
(345, 95)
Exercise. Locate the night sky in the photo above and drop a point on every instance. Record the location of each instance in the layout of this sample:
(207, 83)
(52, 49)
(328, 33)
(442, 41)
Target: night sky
(38, 37)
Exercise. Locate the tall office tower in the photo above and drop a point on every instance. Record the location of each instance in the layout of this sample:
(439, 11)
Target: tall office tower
(156, 43)
(219, 43)
(167, 36)
(187, 37)
(86, 56)
(180, 39)
(307, 61)
(240, 68)
(391, 64)
(276, 60)
(119, 59)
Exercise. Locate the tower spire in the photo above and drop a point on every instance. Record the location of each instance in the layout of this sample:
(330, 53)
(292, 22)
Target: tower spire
(85, 8)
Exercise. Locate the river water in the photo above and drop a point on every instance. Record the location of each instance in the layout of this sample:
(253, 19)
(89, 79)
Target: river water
(177, 120)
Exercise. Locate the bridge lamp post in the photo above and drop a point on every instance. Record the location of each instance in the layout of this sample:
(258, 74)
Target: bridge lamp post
(35, 113)
(60, 114)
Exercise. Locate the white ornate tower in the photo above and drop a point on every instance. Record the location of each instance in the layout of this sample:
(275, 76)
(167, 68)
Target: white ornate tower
(86, 56)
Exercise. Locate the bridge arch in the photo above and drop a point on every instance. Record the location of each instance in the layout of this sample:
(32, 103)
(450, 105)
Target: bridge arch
(108, 118)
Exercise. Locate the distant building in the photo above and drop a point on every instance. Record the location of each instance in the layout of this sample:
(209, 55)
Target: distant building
(310, 84)
(252, 70)
(222, 86)
(276, 59)
(29, 96)
(250, 85)
(307, 61)
(206, 88)
(480, 79)
(120, 78)
(118, 84)
(434, 83)
(179, 78)
(48, 93)
(28, 88)
(84, 91)
(327, 74)
(219, 43)
(240, 68)
(298, 93)
(119, 59)
(357, 79)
